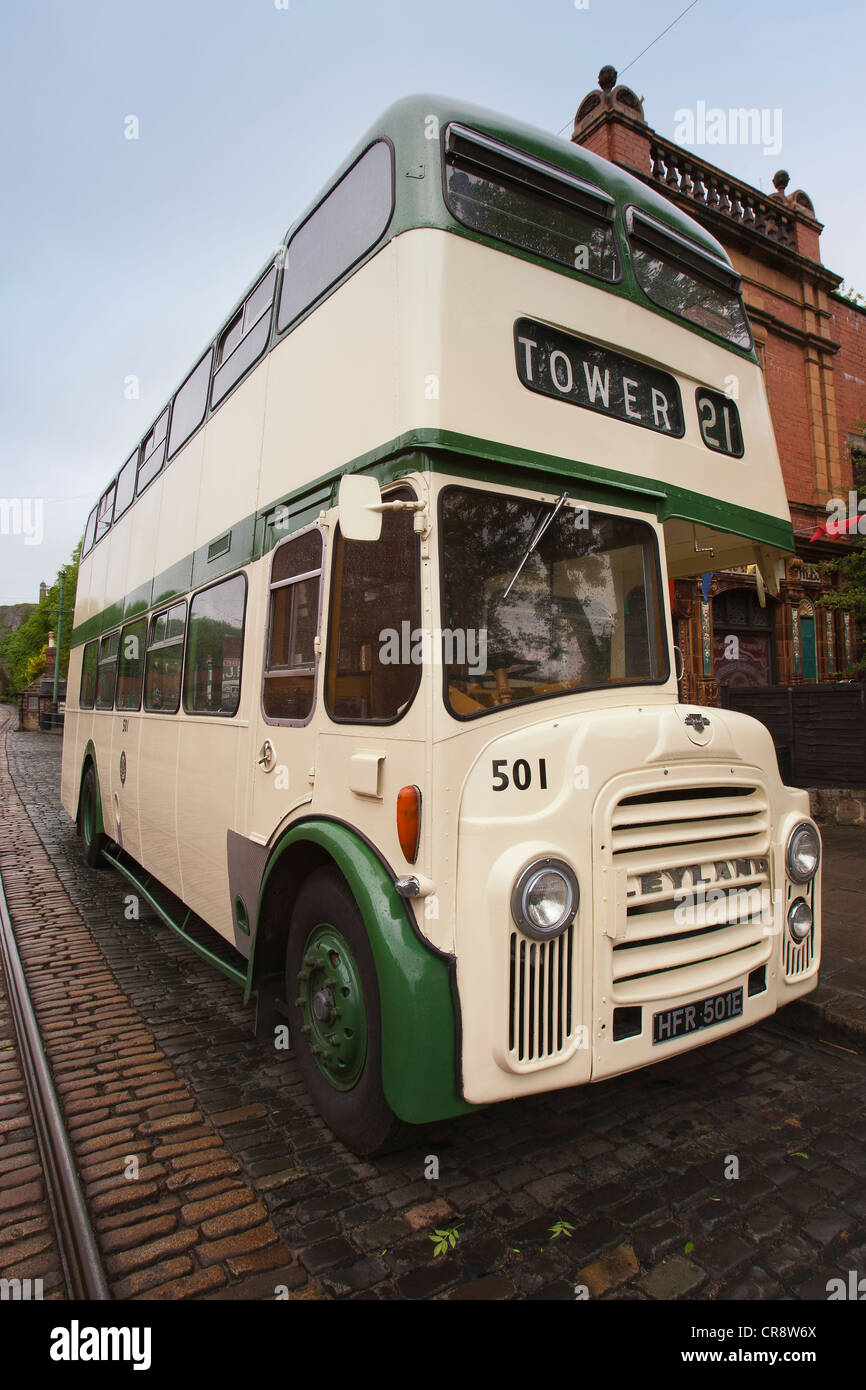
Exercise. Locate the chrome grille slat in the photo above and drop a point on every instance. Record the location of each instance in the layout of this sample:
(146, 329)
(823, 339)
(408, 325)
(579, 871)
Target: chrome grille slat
(540, 997)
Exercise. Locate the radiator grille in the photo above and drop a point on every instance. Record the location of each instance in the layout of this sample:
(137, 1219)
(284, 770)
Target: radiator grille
(698, 889)
(540, 997)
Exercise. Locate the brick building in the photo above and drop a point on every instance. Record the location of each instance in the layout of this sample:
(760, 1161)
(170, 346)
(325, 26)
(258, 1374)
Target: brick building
(811, 343)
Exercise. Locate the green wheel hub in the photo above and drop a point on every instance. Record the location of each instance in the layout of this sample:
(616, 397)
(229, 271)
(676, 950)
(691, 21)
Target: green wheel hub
(331, 1000)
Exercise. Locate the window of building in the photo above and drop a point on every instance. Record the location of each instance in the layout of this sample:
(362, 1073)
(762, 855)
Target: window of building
(87, 691)
(153, 452)
(125, 486)
(130, 664)
(190, 404)
(375, 600)
(343, 227)
(212, 679)
(89, 532)
(507, 194)
(293, 622)
(246, 337)
(164, 661)
(106, 677)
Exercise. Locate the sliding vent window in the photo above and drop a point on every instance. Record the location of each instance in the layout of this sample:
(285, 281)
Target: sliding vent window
(87, 689)
(515, 198)
(89, 532)
(130, 664)
(153, 452)
(105, 511)
(680, 276)
(343, 227)
(107, 675)
(374, 646)
(212, 682)
(290, 670)
(246, 337)
(164, 660)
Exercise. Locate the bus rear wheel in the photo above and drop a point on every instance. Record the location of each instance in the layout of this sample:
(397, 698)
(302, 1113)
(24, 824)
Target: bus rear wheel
(91, 838)
(332, 996)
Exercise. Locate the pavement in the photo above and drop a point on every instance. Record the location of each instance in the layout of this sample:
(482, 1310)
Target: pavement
(836, 1011)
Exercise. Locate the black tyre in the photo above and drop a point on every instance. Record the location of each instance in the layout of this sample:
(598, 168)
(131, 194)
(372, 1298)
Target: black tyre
(88, 818)
(332, 995)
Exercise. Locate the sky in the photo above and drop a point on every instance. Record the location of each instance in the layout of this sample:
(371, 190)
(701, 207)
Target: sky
(121, 257)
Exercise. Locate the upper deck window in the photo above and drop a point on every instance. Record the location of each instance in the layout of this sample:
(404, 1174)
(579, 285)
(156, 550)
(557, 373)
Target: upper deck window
(105, 511)
(246, 337)
(153, 452)
(680, 276)
(125, 485)
(89, 532)
(343, 227)
(507, 194)
(190, 404)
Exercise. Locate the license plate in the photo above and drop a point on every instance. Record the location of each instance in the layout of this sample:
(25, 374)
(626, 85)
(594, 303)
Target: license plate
(703, 1013)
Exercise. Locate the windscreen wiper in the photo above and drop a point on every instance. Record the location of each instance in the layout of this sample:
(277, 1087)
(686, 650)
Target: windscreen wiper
(540, 528)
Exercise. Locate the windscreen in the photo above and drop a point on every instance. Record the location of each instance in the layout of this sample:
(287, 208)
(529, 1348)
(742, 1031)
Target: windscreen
(540, 602)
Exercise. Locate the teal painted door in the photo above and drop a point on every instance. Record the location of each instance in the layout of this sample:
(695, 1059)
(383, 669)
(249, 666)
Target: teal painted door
(809, 649)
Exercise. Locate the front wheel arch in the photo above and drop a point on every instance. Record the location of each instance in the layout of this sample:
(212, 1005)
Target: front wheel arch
(417, 983)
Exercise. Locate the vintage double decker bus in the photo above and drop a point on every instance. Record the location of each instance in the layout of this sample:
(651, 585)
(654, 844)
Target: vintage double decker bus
(373, 689)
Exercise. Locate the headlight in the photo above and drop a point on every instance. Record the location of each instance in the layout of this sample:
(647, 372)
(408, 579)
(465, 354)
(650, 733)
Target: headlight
(545, 899)
(803, 853)
(799, 919)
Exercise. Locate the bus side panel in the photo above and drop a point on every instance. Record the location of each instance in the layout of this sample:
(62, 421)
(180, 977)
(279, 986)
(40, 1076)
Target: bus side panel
(158, 756)
(124, 782)
(212, 766)
(332, 385)
(70, 768)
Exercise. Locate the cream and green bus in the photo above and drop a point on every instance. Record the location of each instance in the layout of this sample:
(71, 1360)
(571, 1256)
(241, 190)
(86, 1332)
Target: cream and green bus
(373, 691)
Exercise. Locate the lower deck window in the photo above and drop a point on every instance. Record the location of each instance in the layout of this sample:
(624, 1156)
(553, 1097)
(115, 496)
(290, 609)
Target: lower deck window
(212, 682)
(107, 675)
(87, 690)
(130, 666)
(164, 663)
(374, 665)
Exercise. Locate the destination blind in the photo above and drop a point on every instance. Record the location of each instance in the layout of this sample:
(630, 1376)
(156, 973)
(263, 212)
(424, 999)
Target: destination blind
(584, 374)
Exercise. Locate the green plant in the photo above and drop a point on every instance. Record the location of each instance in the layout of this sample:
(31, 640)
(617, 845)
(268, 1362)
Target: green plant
(444, 1240)
(561, 1228)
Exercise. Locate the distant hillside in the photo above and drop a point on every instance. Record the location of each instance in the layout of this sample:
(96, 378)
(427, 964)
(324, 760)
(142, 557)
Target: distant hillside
(13, 615)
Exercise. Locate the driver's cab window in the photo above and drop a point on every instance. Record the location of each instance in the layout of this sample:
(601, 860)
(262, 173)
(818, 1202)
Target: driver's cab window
(374, 640)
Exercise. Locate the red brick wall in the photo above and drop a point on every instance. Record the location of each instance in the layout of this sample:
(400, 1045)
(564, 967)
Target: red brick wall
(848, 327)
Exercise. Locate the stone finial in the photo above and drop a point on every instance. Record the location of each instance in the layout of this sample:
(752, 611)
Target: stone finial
(607, 96)
(781, 179)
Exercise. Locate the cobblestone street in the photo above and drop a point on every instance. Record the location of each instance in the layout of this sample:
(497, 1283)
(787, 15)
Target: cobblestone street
(641, 1168)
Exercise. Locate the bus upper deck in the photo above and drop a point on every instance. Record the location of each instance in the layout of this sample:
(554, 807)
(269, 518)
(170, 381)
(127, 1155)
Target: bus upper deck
(612, 302)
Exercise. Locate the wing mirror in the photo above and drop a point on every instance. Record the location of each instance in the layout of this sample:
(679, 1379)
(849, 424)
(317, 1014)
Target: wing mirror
(359, 504)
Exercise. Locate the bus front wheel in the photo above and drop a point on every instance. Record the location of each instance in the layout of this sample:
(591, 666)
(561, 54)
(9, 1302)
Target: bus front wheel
(332, 996)
(91, 838)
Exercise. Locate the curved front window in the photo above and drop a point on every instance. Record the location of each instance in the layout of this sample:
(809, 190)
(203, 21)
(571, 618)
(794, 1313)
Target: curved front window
(538, 602)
